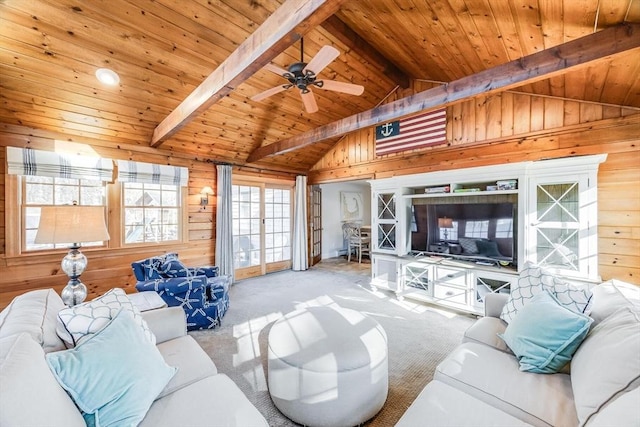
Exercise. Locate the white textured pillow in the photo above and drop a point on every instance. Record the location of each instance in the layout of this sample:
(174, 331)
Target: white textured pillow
(610, 296)
(533, 280)
(83, 320)
(607, 363)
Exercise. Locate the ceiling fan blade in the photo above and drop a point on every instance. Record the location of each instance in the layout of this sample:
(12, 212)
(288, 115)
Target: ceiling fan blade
(343, 87)
(267, 93)
(275, 69)
(309, 101)
(323, 58)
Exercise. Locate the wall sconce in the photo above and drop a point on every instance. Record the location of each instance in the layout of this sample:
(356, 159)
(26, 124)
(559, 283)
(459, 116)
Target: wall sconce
(204, 196)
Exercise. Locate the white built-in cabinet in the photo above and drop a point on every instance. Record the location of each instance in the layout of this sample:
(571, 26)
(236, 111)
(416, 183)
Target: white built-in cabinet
(556, 228)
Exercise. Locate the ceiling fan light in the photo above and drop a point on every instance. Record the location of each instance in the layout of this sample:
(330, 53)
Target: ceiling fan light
(107, 76)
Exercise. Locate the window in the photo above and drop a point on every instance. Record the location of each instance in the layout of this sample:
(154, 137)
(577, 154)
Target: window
(277, 231)
(151, 212)
(478, 229)
(41, 191)
(504, 228)
(246, 225)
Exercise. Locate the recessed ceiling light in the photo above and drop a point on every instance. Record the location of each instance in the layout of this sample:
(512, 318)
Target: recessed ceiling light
(107, 76)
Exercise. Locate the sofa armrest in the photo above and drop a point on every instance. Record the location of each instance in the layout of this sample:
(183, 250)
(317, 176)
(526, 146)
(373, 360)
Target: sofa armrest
(173, 285)
(493, 304)
(166, 323)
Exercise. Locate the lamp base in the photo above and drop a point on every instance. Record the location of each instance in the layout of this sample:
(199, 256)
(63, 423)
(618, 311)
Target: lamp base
(74, 293)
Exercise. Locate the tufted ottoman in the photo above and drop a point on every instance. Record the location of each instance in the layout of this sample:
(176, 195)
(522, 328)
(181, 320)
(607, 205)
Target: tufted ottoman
(328, 366)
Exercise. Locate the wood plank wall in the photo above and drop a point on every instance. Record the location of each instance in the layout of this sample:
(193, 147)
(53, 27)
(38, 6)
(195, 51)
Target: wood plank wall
(514, 127)
(107, 268)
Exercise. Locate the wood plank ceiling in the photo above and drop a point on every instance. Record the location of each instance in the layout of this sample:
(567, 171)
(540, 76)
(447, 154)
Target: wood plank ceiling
(164, 49)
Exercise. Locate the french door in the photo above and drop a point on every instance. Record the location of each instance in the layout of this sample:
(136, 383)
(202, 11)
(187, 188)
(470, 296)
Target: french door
(262, 218)
(315, 224)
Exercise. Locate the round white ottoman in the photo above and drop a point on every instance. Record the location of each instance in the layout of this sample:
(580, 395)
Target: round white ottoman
(328, 366)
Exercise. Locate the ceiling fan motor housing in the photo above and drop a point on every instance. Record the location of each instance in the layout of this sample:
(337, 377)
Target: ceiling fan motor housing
(300, 78)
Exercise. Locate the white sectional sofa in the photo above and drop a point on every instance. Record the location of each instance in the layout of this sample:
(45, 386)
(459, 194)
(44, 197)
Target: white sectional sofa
(30, 395)
(480, 383)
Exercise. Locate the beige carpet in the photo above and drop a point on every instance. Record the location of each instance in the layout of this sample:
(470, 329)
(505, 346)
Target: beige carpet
(420, 336)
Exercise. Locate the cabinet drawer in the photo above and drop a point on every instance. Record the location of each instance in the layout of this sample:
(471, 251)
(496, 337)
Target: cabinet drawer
(450, 294)
(451, 276)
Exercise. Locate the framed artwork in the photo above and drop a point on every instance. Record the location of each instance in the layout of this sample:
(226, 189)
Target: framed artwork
(351, 206)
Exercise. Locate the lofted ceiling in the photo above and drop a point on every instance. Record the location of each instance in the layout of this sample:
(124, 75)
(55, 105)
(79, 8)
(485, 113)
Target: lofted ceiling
(164, 49)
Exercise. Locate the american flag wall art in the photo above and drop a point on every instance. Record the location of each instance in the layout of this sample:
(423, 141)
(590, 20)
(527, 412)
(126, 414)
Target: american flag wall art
(422, 130)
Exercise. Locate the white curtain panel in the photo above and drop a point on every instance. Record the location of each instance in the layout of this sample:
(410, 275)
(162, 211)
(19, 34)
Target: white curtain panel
(300, 261)
(224, 216)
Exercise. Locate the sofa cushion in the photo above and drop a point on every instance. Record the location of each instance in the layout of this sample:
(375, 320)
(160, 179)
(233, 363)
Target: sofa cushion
(438, 404)
(214, 400)
(83, 320)
(115, 375)
(485, 330)
(35, 313)
(533, 280)
(494, 377)
(624, 411)
(192, 362)
(174, 268)
(607, 362)
(469, 245)
(29, 393)
(611, 295)
(545, 334)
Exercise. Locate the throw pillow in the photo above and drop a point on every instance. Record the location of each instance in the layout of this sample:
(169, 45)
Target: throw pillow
(607, 363)
(488, 248)
(114, 376)
(81, 321)
(469, 245)
(545, 334)
(174, 268)
(610, 296)
(533, 280)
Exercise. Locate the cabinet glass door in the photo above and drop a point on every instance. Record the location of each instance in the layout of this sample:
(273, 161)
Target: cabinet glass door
(386, 221)
(560, 226)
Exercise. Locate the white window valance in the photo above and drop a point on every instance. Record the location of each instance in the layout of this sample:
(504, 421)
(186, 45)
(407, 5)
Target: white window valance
(149, 173)
(27, 161)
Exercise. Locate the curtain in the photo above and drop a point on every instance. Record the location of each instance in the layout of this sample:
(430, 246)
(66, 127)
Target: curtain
(149, 173)
(27, 161)
(224, 216)
(300, 260)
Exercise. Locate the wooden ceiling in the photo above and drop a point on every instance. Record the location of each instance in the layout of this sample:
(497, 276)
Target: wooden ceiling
(164, 49)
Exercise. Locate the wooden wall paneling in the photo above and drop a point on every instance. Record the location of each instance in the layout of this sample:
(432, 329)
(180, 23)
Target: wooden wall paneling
(554, 113)
(480, 131)
(494, 117)
(536, 121)
(506, 99)
(521, 114)
(571, 113)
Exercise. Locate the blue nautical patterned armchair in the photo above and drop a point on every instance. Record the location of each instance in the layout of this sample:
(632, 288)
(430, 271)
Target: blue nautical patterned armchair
(202, 294)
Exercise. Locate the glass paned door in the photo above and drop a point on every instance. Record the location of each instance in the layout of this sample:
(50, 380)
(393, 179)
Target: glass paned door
(261, 228)
(246, 226)
(386, 221)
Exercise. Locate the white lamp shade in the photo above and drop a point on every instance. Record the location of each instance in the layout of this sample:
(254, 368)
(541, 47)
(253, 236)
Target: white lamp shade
(71, 224)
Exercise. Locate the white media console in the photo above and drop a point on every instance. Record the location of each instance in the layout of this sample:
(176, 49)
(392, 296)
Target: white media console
(555, 226)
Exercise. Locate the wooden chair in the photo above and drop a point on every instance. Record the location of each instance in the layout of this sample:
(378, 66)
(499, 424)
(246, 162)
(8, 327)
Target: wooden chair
(356, 240)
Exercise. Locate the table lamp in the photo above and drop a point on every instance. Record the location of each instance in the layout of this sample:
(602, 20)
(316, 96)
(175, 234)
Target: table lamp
(77, 224)
(445, 223)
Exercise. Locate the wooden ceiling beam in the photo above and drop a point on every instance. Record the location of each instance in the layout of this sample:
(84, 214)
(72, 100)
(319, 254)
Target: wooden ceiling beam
(280, 30)
(353, 41)
(541, 65)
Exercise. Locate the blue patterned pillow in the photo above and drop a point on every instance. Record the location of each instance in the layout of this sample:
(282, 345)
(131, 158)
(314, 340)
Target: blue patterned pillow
(174, 268)
(533, 280)
(469, 245)
(544, 334)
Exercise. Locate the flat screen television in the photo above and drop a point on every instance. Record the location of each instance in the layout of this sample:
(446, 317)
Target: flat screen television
(477, 231)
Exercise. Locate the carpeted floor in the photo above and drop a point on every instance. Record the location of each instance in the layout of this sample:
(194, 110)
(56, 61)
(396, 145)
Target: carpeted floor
(419, 336)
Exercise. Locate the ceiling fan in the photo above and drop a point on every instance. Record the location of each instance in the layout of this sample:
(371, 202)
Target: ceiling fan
(304, 75)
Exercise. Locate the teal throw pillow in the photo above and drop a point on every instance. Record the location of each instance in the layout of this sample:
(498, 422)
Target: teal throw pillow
(115, 375)
(544, 334)
(488, 248)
